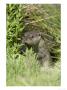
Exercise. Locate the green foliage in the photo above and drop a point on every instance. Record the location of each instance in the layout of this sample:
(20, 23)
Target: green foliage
(25, 69)
(14, 28)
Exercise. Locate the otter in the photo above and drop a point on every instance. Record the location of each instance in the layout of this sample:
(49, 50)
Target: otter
(34, 40)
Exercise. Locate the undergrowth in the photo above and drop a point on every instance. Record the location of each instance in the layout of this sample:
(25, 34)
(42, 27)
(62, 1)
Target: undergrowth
(25, 70)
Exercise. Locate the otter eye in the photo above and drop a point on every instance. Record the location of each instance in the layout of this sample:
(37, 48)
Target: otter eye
(31, 36)
(39, 34)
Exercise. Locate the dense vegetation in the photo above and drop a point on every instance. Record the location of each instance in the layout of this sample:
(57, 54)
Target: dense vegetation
(25, 69)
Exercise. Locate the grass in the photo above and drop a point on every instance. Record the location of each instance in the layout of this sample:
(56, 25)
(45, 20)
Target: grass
(25, 70)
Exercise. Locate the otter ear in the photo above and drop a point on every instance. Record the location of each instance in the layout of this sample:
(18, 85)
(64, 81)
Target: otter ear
(31, 36)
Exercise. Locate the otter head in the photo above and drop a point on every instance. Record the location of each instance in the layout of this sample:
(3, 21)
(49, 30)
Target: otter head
(31, 38)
